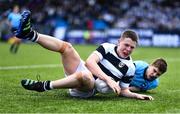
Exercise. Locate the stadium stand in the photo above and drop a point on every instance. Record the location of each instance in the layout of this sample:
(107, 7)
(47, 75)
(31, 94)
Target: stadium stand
(161, 16)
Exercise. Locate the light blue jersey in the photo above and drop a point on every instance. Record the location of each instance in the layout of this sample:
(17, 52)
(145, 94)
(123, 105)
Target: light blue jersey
(14, 19)
(139, 80)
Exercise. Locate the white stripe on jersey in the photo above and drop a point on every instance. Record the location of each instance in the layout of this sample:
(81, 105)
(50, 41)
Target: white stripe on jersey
(111, 67)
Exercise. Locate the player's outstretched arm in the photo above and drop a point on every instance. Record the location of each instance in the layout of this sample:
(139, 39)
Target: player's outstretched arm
(127, 93)
(134, 89)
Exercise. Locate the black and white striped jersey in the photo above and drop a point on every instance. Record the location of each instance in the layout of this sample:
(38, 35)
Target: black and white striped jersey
(118, 68)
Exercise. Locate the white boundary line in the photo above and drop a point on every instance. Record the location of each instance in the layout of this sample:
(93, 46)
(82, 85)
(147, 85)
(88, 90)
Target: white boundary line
(30, 66)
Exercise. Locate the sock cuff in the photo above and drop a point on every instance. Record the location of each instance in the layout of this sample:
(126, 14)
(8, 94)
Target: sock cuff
(47, 85)
(51, 86)
(33, 36)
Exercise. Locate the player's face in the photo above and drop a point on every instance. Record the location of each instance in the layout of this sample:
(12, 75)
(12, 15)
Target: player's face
(125, 47)
(152, 73)
(16, 9)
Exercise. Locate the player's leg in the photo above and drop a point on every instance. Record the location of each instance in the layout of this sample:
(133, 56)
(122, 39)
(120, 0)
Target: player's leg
(11, 49)
(70, 59)
(15, 45)
(82, 80)
(69, 56)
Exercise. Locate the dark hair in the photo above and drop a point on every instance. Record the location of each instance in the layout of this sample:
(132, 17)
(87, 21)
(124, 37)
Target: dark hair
(160, 64)
(130, 34)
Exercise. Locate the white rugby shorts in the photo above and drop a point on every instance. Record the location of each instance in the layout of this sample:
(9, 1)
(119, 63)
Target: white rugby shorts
(81, 94)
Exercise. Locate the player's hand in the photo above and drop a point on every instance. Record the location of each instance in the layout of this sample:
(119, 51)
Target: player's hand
(113, 85)
(144, 97)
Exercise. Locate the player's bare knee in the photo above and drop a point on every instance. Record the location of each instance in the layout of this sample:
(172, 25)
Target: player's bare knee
(65, 47)
(87, 75)
(86, 79)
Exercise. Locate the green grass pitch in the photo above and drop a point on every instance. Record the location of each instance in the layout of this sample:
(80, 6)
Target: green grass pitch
(15, 99)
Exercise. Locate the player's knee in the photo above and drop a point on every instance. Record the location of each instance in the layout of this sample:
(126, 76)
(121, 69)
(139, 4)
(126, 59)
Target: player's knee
(65, 47)
(86, 79)
(87, 75)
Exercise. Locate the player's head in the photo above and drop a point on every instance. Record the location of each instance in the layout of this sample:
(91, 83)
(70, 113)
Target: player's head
(160, 64)
(156, 69)
(127, 43)
(16, 9)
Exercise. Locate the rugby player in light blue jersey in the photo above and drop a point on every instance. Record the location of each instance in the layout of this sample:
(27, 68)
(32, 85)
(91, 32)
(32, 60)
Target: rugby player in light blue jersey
(14, 21)
(147, 76)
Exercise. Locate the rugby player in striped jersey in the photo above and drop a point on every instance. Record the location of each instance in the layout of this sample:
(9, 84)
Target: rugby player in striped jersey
(78, 79)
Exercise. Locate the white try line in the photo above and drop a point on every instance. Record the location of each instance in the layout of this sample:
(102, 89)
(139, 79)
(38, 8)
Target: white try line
(30, 66)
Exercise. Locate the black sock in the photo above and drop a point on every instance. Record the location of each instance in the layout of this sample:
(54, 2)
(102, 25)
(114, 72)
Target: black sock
(32, 36)
(47, 85)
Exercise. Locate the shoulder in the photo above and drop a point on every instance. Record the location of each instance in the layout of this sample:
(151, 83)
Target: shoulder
(140, 64)
(108, 45)
(153, 84)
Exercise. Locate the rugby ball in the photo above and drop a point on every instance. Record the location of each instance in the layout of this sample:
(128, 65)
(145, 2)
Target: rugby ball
(102, 87)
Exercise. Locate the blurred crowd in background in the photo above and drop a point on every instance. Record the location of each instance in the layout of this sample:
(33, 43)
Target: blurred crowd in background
(47, 15)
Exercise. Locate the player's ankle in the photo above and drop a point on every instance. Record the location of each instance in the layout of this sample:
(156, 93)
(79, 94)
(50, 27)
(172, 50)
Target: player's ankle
(32, 36)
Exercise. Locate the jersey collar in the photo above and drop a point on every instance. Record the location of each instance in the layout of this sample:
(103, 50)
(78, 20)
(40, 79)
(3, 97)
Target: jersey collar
(145, 77)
